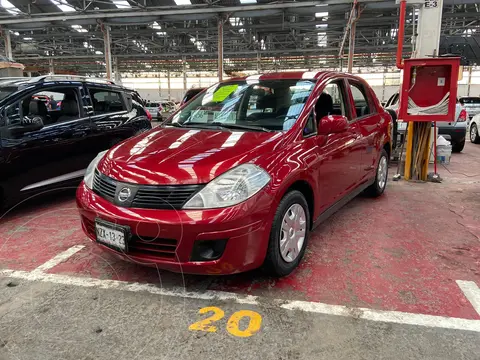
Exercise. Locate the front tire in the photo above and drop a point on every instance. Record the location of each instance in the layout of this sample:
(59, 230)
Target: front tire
(474, 135)
(381, 177)
(288, 236)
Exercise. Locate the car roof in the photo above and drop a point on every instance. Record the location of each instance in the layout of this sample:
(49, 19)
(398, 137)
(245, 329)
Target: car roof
(59, 80)
(307, 75)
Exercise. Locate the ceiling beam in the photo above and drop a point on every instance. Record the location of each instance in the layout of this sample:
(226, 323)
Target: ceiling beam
(164, 11)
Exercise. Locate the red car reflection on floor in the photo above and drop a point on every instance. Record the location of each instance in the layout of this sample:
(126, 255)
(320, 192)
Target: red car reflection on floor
(239, 176)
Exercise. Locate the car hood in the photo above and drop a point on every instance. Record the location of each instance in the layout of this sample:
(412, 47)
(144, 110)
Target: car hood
(184, 156)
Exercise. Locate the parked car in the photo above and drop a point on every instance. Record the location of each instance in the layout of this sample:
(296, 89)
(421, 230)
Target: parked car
(474, 129)
(42, 149)
(155, 109)
(471, 104)
(455, 131)
(240, 175)
(190, 94)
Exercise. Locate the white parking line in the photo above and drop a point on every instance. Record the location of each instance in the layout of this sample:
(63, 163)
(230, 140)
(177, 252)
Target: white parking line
(63, 256)
(471, 292)
(311, 307)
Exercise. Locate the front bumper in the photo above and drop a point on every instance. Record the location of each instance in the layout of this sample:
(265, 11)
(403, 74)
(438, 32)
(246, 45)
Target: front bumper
(246, 227)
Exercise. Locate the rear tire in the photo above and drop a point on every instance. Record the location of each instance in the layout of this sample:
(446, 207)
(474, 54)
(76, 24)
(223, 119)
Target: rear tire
(474, 135)
(381, 177)
(458, 147)
(281, 264)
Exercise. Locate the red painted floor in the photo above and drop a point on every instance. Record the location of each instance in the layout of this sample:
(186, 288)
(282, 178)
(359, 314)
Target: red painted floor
(401, 252)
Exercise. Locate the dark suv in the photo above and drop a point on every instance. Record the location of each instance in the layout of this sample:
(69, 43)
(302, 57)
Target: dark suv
(51, 127)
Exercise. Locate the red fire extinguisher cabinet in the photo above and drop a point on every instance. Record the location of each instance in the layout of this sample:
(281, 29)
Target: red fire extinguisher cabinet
(429, 89)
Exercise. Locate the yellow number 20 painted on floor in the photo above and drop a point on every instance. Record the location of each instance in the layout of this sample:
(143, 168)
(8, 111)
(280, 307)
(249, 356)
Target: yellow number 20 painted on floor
(205, 324)
(233, 324)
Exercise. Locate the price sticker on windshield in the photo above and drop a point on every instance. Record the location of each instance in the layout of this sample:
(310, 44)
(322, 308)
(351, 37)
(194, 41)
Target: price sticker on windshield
(225, 91)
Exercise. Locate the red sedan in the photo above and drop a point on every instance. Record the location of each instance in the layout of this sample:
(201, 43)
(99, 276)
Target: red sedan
(238, 177)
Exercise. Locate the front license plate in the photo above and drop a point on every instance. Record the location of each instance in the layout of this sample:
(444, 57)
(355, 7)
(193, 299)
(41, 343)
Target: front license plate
(112, 235)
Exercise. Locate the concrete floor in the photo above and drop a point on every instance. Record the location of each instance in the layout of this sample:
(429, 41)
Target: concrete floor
(379, 281)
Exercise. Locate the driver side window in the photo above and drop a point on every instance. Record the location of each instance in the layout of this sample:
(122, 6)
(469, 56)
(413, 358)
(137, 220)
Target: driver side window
(331, 102)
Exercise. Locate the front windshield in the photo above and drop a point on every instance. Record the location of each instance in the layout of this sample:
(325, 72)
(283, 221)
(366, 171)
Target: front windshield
(6, 90)
(263, 104)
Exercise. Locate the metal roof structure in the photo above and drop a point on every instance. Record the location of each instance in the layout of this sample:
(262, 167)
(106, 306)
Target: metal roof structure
(160, 35)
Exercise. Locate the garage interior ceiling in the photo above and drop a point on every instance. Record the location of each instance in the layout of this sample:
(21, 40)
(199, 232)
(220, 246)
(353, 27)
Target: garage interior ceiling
(157, 35)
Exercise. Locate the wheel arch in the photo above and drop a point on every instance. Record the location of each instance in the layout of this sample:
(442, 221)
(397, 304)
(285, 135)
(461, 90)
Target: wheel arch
(306, 189)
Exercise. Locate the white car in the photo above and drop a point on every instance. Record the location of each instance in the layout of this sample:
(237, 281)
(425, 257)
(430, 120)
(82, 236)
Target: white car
(473, 129)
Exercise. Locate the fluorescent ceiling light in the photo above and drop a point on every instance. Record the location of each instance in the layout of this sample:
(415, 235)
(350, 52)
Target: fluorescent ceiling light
(248, 1)
(183, 2)
(235, 21)
(321, 14)
(157, 26)
(122, 4)
(318, 26)
(98, 52)
(16, 33)
(27, 38)
(11, 9)
(79, 28)
(63, 5)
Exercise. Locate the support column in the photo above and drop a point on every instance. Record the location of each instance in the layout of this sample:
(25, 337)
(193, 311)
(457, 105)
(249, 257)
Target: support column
(116, 72)
(8, 44)
(107, 52)
(429, 27)
(184, 65)
(220, 49)
(259, 59)
(469, 79)
(51, 70)
(169, 87)
(351, 42)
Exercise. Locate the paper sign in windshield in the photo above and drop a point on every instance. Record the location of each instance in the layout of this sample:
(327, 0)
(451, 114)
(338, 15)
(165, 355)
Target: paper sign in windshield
(224, 92)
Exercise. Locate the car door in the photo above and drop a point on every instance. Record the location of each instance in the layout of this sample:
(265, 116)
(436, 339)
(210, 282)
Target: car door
(337, 170)
(53, 153)
(110, 113)
(367, 120)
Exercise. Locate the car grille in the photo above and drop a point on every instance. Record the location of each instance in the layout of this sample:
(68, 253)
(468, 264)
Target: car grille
(153, 247)
(145, 196)
(104, 186)
(141, 245)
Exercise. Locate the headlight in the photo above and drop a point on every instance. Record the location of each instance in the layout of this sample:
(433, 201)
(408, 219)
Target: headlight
(89, 174)
(230, 188)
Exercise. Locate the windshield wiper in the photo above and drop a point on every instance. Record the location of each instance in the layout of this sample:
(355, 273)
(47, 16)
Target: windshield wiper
(175, 124)
(238, 126)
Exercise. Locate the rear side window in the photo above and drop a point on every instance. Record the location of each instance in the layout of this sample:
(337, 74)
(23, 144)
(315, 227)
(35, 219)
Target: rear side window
(106, 101)
(360, 98)
(471, 100)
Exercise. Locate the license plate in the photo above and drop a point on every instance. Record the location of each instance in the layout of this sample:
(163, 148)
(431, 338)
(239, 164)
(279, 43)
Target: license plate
(112, 235)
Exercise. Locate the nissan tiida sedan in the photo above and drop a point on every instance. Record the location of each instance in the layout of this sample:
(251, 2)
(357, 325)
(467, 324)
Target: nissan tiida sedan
(238, 177)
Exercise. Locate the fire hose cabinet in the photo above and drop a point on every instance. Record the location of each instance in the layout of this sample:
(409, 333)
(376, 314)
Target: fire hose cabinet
(429, 89)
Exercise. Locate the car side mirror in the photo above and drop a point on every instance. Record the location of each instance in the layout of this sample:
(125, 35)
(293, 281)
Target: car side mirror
(332, 124)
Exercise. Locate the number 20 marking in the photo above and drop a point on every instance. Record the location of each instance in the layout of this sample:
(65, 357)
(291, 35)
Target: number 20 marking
(254, 324)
